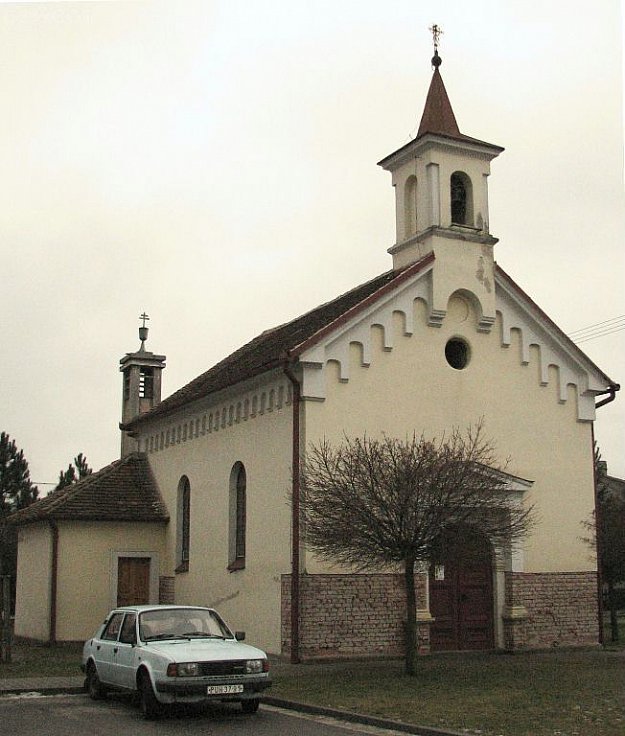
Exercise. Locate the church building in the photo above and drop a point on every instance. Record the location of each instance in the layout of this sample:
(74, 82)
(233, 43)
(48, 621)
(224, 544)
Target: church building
(202, 507)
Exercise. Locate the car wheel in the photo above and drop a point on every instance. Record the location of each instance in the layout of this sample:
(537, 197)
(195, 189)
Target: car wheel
(250, 706)
(95, 688)
(150, 707)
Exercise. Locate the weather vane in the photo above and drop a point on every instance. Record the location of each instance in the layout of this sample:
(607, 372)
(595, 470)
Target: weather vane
(437, 32)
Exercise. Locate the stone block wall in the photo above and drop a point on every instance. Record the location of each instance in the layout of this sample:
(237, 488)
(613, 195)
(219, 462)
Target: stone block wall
(351, 615)
(166, 589)
(551, 610)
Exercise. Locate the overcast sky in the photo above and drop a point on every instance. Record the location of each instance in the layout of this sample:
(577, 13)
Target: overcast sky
(214, 164)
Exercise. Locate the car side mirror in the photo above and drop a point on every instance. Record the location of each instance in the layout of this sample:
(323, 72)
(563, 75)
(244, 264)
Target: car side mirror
(239, 635)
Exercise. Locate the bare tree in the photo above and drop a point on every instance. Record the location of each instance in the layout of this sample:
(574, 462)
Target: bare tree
(370, 503)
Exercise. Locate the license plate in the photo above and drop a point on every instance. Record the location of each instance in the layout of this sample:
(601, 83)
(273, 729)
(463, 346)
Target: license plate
(224, 689)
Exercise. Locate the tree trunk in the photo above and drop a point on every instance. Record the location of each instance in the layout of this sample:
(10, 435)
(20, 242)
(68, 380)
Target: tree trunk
(613, 613)
(411, 617)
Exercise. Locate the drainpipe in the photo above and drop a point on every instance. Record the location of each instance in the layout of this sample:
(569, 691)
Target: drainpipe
(611, 391)
(295, 517)
(53, 579)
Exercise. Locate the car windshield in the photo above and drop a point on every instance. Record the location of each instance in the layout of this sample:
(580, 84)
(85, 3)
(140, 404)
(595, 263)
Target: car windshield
(182, 623)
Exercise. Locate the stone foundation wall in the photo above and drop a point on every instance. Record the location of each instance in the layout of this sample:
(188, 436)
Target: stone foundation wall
(550, 610)
(166, 589)
(351, 615)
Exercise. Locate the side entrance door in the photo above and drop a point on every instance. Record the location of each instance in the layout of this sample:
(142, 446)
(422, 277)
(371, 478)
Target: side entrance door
(461, 594)
(133, 581)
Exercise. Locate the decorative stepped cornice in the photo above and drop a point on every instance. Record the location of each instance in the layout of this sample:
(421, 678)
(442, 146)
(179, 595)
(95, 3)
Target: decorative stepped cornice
(516, 313)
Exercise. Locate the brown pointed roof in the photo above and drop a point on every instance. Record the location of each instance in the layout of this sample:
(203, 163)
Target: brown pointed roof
(438, 116)
(125, 490)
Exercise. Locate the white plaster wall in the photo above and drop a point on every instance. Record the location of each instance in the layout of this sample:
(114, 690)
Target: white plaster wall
(249, 599)
(32, 604)
(85, 584)
(411, 388)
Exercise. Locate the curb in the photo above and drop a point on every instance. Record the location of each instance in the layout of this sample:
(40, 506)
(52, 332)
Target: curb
(347, 715)
(53, 690)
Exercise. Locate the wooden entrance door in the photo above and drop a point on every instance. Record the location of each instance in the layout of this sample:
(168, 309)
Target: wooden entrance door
(133, 581)
(461, 594)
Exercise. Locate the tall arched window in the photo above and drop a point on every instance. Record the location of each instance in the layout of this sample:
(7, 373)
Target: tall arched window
(410, 206)
(238, 514)
(461, 193)
(183, 524)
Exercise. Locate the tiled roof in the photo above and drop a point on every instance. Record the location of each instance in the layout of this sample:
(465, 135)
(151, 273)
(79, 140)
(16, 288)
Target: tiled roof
(125, 490)
(438, 115)
(438, 119)
(274, 347)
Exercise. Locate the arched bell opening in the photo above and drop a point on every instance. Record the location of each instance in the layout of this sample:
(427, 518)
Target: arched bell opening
(461, 195)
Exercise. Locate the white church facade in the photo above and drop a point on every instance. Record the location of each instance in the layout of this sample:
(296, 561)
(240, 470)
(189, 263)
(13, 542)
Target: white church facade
(202, 507)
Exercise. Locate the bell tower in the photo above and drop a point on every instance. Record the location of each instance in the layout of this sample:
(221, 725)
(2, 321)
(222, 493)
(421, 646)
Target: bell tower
(441, 203)
(141, 387)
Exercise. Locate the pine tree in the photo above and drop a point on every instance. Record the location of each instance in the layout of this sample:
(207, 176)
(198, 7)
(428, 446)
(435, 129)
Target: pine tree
(79, 469)
(16, 492)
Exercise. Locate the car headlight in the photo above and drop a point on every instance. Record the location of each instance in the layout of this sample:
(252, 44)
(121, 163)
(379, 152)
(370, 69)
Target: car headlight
(254, 666)
(184, 669)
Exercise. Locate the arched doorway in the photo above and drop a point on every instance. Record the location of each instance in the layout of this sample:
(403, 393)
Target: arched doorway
(461, 593)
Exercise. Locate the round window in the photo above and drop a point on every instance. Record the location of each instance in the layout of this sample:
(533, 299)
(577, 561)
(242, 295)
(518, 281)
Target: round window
(457, 353)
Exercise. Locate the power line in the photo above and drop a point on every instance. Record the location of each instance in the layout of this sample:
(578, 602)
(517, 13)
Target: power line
(599, 329)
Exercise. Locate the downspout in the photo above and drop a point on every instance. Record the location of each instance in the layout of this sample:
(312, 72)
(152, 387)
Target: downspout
(53, 579)
(295, 516)
(611, 391)
(598, 549)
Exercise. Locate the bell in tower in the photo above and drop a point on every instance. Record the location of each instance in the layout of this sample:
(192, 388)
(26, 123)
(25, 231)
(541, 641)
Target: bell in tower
(141, 385)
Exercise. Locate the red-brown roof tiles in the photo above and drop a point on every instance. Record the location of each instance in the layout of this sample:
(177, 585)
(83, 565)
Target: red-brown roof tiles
(125, 490)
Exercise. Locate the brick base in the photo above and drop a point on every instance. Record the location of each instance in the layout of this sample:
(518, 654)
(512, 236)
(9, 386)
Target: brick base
(550, 610)
(351, 615)
(166, 589)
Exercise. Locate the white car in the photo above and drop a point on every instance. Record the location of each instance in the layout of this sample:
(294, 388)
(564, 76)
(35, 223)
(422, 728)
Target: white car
(173, 654)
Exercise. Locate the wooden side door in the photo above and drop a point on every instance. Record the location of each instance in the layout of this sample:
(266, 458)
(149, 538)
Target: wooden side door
(133, 581)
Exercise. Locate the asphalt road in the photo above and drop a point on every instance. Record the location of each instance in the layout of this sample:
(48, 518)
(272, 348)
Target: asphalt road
(77, 715)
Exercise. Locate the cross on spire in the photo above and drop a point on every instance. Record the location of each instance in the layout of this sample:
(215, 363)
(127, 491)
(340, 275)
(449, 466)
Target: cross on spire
(437, 32)
(143, 331)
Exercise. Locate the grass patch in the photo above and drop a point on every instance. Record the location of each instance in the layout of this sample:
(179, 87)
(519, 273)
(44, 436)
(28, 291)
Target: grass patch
(30, 660)
(563, 693)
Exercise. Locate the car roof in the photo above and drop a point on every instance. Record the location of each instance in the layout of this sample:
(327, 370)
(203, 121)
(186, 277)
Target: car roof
(155, 607)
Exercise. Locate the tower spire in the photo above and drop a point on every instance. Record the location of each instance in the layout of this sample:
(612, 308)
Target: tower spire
(438, 116)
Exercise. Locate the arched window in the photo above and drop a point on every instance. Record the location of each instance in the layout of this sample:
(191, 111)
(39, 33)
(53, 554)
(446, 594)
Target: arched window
(461, 199)
(238, 492)
(183, 524)
(410, 207)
